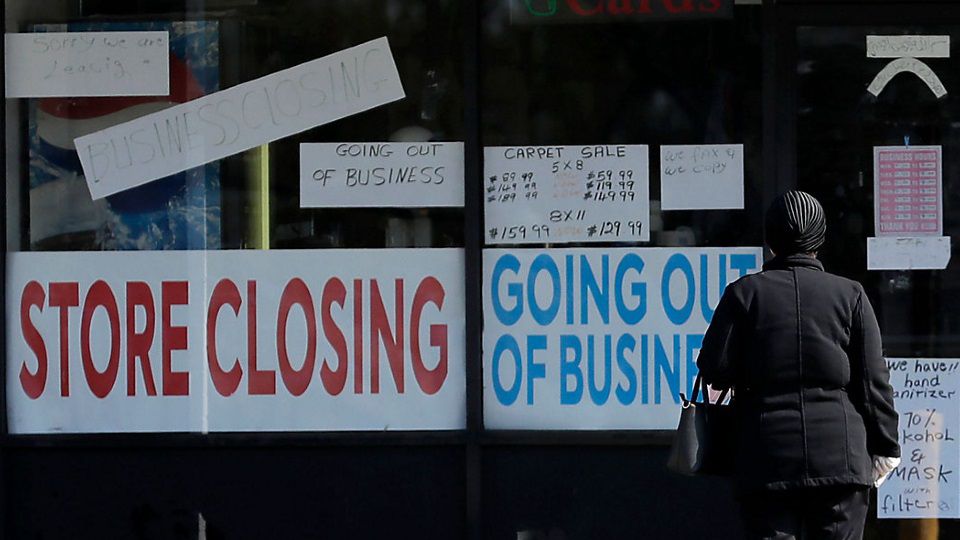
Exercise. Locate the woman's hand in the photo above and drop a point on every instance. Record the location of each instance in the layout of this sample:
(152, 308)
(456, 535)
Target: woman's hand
(882, 467)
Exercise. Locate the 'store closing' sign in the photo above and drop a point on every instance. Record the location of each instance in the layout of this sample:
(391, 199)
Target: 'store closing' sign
(926, 484)
(235, 341)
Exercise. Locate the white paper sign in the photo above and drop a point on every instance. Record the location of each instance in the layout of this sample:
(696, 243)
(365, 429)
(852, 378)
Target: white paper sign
(918, 253)
(909, 65)
(926, 484)
(384, 174)
(908, 46)
(235, 341)
(694, 177)
(74, 64)
(561, 194)
(591, 339)
(239, 118)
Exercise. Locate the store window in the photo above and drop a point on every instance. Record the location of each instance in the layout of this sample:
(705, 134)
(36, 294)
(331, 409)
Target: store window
(248, 200)
(217, 212)
(563, 82)
(851, 119)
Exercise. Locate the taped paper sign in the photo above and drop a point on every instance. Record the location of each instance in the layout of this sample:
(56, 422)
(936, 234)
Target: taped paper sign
(917, 253)
(387, 174)
(239, 118)
(78, 64)
(927, 396)
(908, 46)
(235, 341)
(701, 176)
(908, 191)
(907, 65)
(598, 338)
(558, 194)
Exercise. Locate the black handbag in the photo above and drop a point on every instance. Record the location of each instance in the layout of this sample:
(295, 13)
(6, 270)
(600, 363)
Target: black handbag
(705, 442)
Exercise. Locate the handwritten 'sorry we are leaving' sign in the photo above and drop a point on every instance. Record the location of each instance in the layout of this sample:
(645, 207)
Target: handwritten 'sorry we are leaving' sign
(84, 64)
(381, 174)
(239, 118)
(557, 194)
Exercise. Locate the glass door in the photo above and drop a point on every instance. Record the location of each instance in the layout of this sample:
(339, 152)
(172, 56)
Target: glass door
(872, 102)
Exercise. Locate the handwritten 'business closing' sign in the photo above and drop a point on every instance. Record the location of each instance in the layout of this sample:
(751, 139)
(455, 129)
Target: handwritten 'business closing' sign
(239, 118)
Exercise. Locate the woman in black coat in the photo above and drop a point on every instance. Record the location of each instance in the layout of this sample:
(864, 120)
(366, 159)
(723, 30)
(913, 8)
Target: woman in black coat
(801, 349)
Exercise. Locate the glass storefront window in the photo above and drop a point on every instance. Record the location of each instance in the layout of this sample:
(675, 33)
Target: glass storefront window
(225, 310)
(249, 200)
(628, 81)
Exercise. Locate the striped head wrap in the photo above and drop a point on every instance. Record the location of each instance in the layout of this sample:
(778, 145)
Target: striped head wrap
(795, 224)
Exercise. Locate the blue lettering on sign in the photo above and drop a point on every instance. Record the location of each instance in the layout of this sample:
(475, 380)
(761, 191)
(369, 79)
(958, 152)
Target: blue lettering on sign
(626, 395)
(705, 308)
(535, 370)
(592, 361)
(544, 263)
(644, 369)
(630, 261)
(694, 343)
(570, 367)
(676, 315)
(569, 302)
(599, 395)
(743, 262)
(663, 370)
(599, 292)
(510, 316)
(506, 343)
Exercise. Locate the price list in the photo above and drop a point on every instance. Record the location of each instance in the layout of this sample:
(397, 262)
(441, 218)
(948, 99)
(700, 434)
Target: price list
(908, 191)
(558, 194)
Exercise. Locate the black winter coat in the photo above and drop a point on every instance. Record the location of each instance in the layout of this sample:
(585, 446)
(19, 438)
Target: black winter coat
(801, 348)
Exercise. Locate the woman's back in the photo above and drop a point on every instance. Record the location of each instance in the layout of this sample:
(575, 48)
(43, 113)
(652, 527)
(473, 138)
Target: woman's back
(796, 354)
(801, 349)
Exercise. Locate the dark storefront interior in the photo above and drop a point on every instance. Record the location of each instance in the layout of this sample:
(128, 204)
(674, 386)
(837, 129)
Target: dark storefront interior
(786, 79)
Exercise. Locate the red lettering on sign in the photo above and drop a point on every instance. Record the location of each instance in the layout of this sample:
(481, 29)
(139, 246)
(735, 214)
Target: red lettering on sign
(100, 382)
(33, 383)
(64, 296)
(261, 382)
(296, 293)
(430, 381)
(225, 382)
(380, 326)
(139, 343)
(334, 292)
(173, 293)
(357, 336)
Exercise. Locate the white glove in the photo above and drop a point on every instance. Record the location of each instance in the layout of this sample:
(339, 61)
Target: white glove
(882, 467)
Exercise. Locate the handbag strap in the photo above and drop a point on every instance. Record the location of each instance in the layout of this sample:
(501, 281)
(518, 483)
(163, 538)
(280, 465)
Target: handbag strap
(697, 383)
